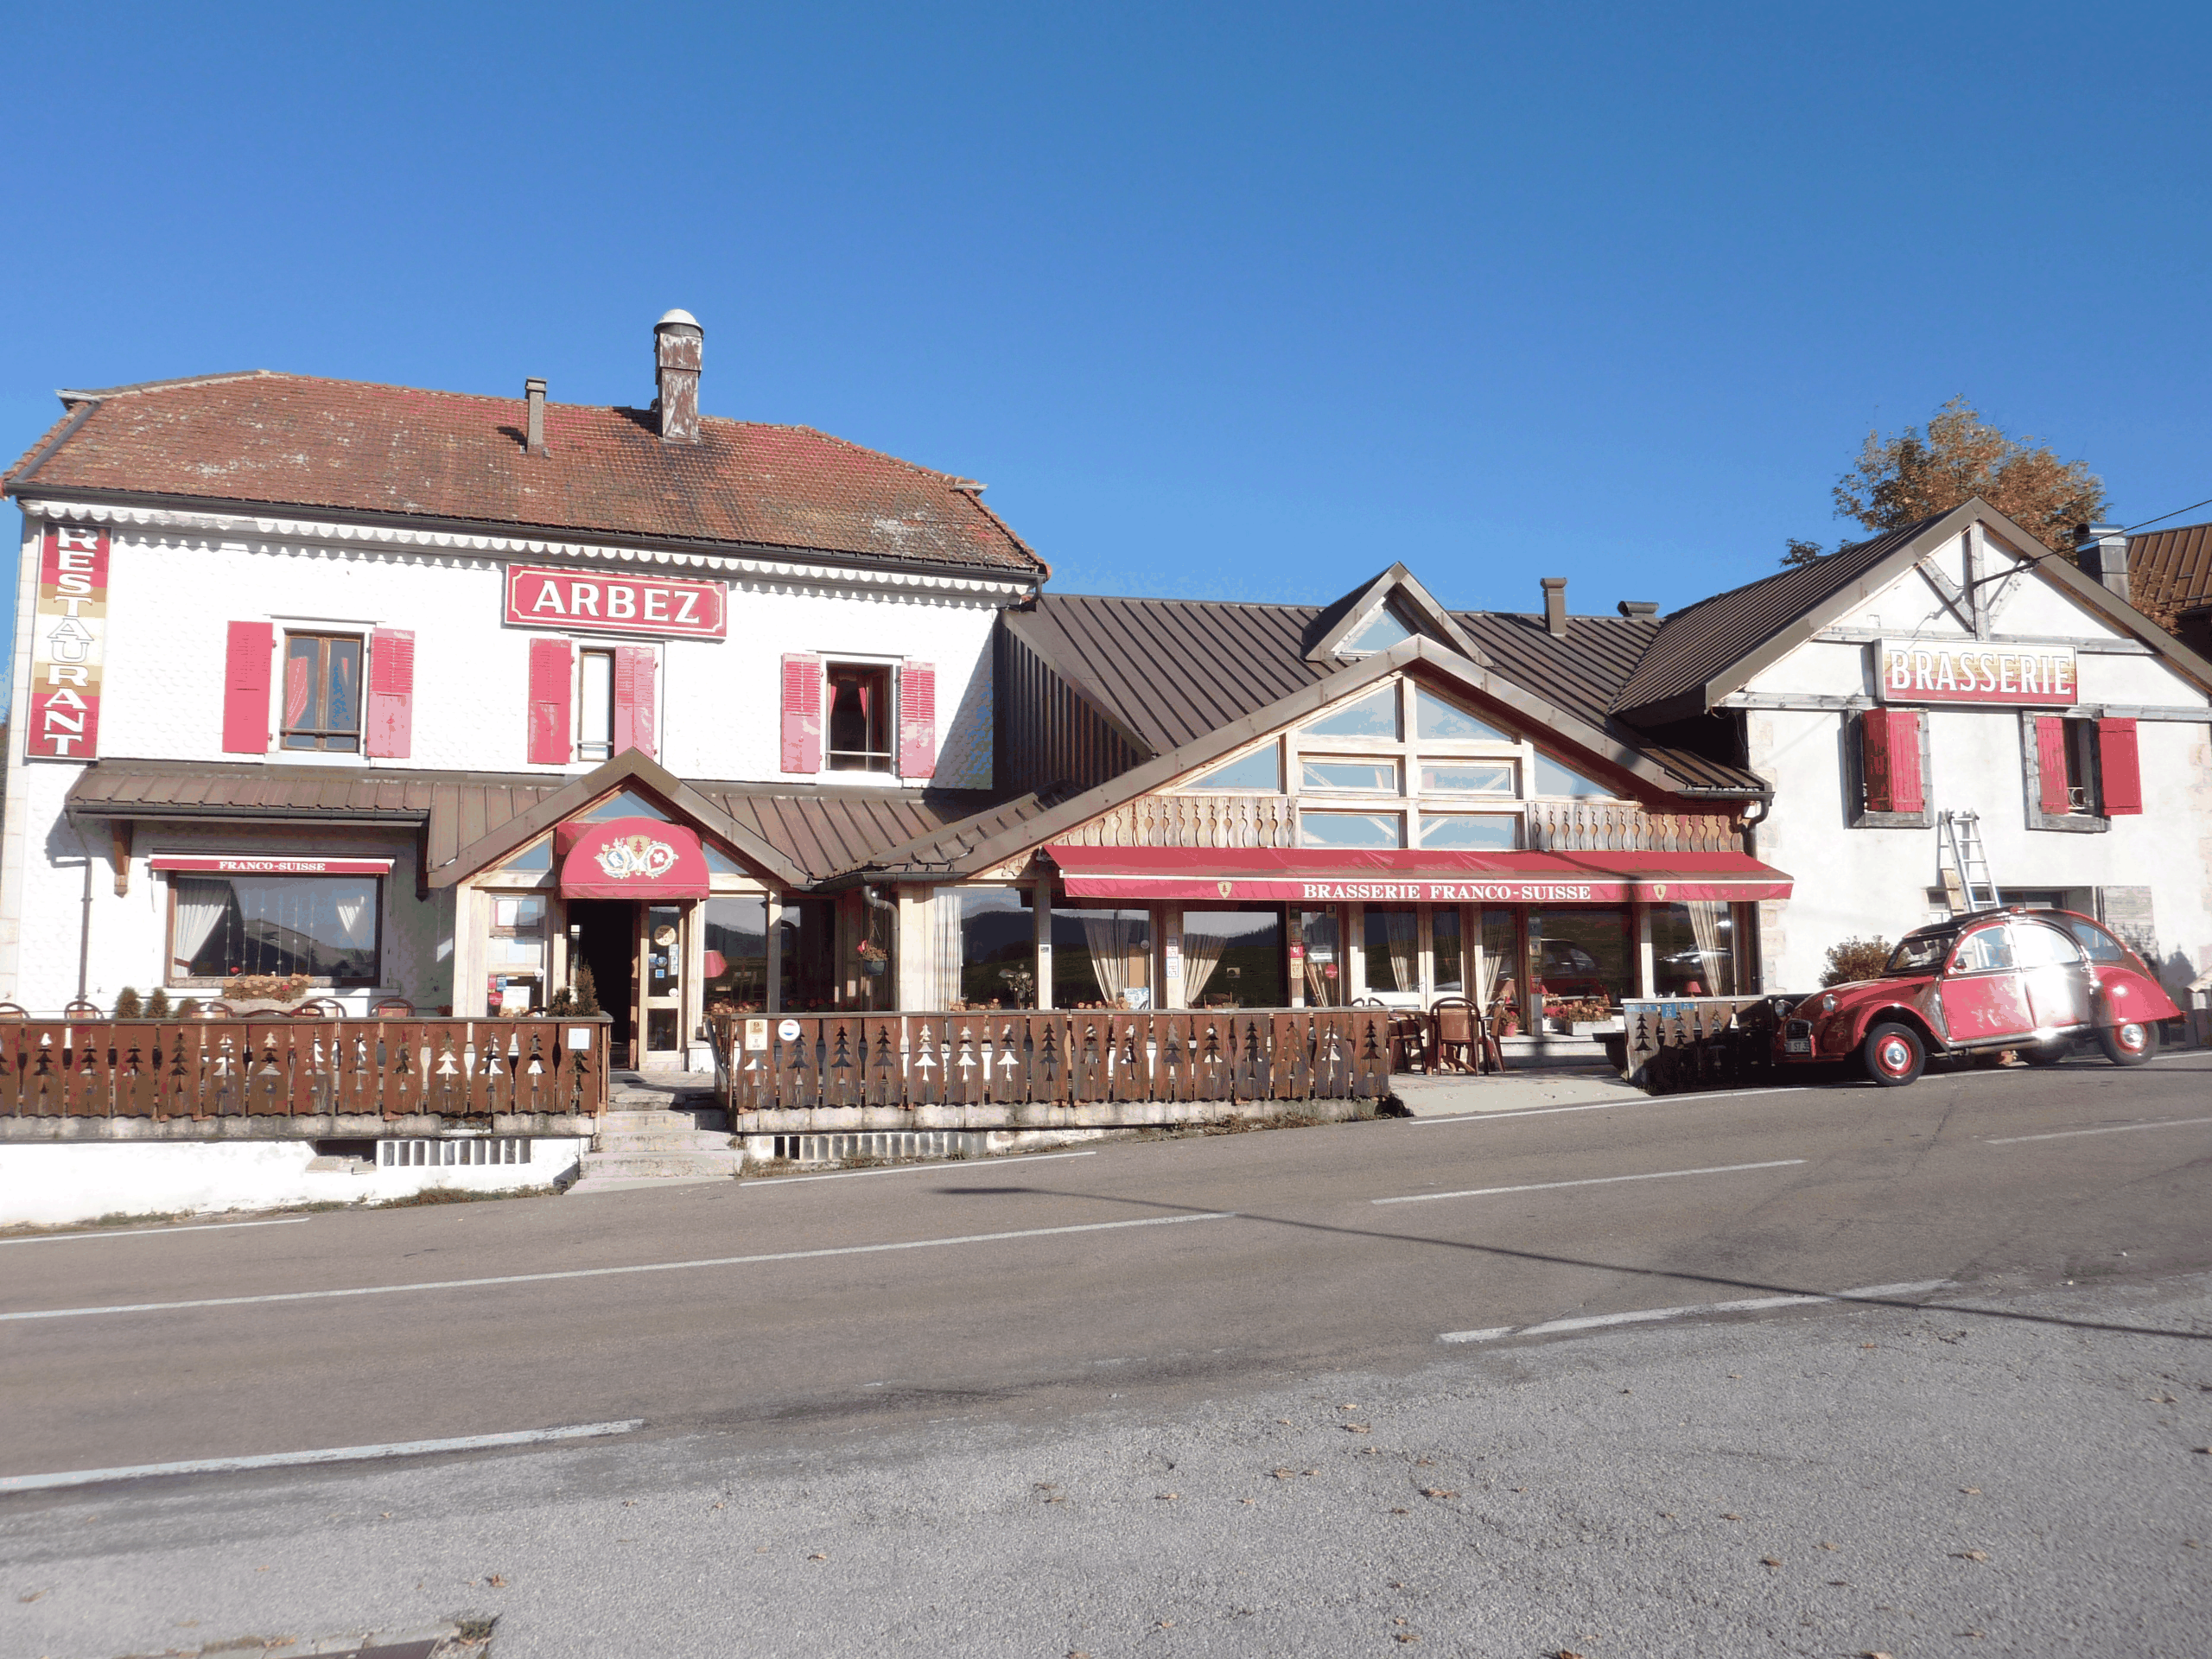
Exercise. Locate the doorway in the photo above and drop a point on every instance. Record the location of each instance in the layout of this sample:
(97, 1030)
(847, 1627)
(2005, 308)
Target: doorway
(603, 935)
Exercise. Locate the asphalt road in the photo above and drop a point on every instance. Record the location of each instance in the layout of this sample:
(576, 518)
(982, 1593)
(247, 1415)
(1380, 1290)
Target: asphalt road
(885, 1363)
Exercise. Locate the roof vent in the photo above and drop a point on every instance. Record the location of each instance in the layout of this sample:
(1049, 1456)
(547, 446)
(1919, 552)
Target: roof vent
(679, 345)
(533, 394)
(1555, 606)
(2102, 551)
(1638, 607)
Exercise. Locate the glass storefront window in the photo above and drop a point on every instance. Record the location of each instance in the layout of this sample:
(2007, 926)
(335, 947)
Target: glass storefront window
(986, 949)
(517, 953)
(808, 939)
(737, 953)
(1101, 958)
(323, 926)
(1351, 829)
(1585, 955)
(1693, 949)
(1444, 924)
(1323, 967)
(1233, 959)
(1498, 983)
(1392, 950)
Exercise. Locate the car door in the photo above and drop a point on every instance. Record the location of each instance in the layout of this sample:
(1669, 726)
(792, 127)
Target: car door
(1981, 993)
(2055, 974)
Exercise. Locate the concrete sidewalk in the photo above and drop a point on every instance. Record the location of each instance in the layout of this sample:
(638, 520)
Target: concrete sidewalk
(1448, 1094)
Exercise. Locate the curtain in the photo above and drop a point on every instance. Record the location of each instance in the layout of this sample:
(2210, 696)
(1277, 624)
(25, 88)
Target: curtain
(297, 669)
(1401, 934)
(1704, 923)
(1201, 955)
(1113, 940)
(200, 907)
(355, 920)
(947, 960)
(1487, 967)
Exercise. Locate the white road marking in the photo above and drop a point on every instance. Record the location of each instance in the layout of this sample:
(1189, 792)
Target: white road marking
(333, 1454)
(1644, 1315)
(1596, 1180)
(922, 1169)
(2114, 1128)
(602, 1273)
(1506, 1113)
(146, 1232)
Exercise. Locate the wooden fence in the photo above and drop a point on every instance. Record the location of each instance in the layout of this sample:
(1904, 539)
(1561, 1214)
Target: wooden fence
(387, 1068)
(1073, 1059)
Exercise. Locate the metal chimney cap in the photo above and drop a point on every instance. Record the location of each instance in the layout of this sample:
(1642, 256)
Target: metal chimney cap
(679, 318)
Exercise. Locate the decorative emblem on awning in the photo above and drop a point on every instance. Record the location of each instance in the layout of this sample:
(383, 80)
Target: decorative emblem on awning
(629, 858)
(636, 858)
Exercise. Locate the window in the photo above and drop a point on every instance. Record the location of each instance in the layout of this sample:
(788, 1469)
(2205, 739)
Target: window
(594, 705)
(1262, 769)
(1317, 938)
(1469, 777)
(1582, 955)
(322, 691)
(737, 952)
(1554, 779)
(1476, 832)
(1393, 950)
(1350, 829)
(1373, 715)
(324, 927)
(1434, 717)
(985, 948)
(860, 718)
(1101, 958)
(2100, 945)
(1443, 926)
(2060, 759)
(1987, 951)
(1233, 959)
(1358, 777)
(1693, 950)
(1383, 630)
(517, 950)
(2041, 946)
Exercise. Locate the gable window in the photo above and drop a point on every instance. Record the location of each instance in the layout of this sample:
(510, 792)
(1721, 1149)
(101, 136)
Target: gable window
(1351, 829)
(1262, 770)
(1471, 832)
(594, 705)
(859, 718)
(322, 692)
(1335, 777)
(1383, 630)
(323, 926)
(1469, 777)
(1434, 717)
(1373, 715)
(1556, 780)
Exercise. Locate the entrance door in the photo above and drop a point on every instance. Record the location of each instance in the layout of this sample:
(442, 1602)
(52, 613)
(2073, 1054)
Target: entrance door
(603, 935)
(660, 983)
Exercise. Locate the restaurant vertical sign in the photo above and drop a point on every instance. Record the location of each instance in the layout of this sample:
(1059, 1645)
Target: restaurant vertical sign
(69, 636)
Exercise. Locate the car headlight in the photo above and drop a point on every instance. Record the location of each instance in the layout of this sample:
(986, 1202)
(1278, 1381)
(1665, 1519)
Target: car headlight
(1827, 1005)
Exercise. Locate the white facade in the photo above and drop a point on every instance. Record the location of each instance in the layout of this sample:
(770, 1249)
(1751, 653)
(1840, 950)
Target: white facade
(177, 580)
(1856, 880)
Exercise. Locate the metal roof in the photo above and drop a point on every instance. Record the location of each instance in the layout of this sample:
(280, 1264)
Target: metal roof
(2170, 571)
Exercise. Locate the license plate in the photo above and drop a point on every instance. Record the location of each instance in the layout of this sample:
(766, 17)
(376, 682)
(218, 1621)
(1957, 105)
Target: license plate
(1796, 1045)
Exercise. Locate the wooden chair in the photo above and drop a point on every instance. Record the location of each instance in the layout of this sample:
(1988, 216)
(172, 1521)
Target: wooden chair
(1456, 1034)
(399, 1005)
(14, 1011)
(1409, 1046)
(77, 1008)
(320, 1007)
(217, 1009)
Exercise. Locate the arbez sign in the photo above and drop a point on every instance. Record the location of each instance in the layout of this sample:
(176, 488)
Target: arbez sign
(1974, 670)
(68, 633)
(574, 601)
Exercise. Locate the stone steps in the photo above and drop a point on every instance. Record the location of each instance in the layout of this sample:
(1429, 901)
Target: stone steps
(658, 1133)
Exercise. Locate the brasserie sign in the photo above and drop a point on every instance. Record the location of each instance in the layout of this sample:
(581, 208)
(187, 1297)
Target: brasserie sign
(1975, 670)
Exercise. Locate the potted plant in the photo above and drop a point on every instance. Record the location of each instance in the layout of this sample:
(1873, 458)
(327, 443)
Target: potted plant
(874, 958)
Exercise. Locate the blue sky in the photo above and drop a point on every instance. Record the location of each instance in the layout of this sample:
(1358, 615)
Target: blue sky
(1222, 302)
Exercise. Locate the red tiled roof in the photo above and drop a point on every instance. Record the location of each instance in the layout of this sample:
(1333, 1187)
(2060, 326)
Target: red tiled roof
(294, 440)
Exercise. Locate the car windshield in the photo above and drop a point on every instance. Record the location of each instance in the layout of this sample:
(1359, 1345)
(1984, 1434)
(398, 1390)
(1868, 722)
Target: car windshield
(1920, 953)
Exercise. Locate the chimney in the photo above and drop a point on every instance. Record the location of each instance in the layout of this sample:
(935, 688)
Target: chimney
(1555, 606)
(1638, 607)
(533, 392)
(678, 342)
(2102, 551)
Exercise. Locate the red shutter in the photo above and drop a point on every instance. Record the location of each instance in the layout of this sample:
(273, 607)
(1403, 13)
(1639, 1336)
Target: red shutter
(918, 720)
(245, 687)
(2050, 761)
(1907, 788)
(392, 694)
(552, 678)
(633, 699)
(802, 713)
(1890, 758)
(2120, 766)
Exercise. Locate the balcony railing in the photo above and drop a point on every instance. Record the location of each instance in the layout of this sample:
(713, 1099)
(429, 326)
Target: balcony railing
(234, 1067)
(910, 1060)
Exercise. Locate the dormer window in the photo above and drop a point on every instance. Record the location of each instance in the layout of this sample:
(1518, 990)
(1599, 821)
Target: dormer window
(1385, 629)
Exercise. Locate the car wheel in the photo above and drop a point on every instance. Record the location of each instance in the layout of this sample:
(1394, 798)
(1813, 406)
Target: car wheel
(2049, 1053)
(2129, 1043)
(1894, 1055)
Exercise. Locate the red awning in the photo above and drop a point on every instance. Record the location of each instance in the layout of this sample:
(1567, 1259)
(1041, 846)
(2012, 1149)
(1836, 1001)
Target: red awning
(629, 858)
(1403, 876)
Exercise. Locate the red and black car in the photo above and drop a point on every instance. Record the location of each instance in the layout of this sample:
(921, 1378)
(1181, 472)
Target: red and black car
(2038, 982)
